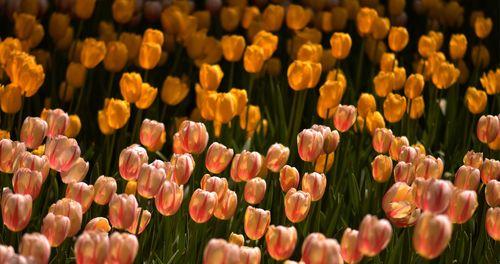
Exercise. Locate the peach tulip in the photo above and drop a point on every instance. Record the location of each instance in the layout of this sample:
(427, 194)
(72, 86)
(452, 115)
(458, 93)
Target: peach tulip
(193, 136)
(344, 117)
(315, 184)
(150, 180)
(431, 235)
(33, 132)
(317, 249)
(182, 167)
(168, 200)
(26, 181)
(310, 144)
(467, 178)
(122, 209)
(277, 156)
(92, 247)
(374, 235)
(226, 207)
(62, 152)
(280, 241)
(35, 247)
(493, 223)
(123, 248)
(131, 160)
(76, 172)
(463, 204)
(218, 157)
(16, 210)
(104, 188)
(220, 251)
(214, 184)
(349, 246)
(202, 205)
(82, 193)
(55, 228)
(289, 178)
(297, 205)
(99, 224)
(71, 209)
(256, 222)
(254, 191)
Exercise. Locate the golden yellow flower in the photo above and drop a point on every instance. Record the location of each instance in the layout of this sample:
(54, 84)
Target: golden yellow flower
(491, 81)
(310, 52)
(83, 9)
(302, 37)
(384, 83)
(253, 111)
(495, 144)
(394, 107)
(426, 46)
(445, 75)
(475, 100)
(303, 74)
(417, 107)
(58, 24)
(153, 35)
(437, 37)
(272, 17)
(223, 106)
(398, 38)
(117, 112)
(74, 126)
(172, 20)
(173, 90)
(373, 121)
(414, 85)
(380, 28)
(319, 166)
(396, 7)
(250, 14)
(4, 134)
(341, 45)
(11, 98)
(130, 86)
(102, 121)
(107, 31)
(336, 20)
(241, 98)
(149, 55)
(297, 17)
(365, 19)
(65, 42)
(400, 78)
(233, 47)
(93, 52)
(203, 18)
(24, 25)
(31, 78)
(482, 27)
(458, 46)
(366, 104)
(123, 10)
(388, 62)
(76, 74)
(7, 47)
(253, 59)
(116, 56)
(133, 44)
(331, 93)
(480, 56)
(210, 76)
(148, 96)
(267, 41)
(229, 18)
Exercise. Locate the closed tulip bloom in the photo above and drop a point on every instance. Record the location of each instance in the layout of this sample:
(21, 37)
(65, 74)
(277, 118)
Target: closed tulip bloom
(381, 168)
(414, 85)
(297, 205)
(16, 210)
(230, 18)
(331, 141)
(30, 161)
(210, 76)
(150, 180)
(256, 222)
(214, 184)
(7, 254)
(310, 144)
(366, 104)
(297, 17)
(275, 237)
(341, 45)
(174, 90)
(11, 99)
(488, 128)
(122, 209)
(289, 178)
(145, 218)
(398, 205)
(58, 24)
(492, 193)
(445, 75)
(193, 136)
(246, 165)
(381, 140)
(76, 172)
(84, 9)
(218, 157)
(116, 56)
(93, 52)
(36, 247)
(417, 107)
(482, 27)
(57, 121)
(55, 228)
(149, 55)
(117, 112)
(277, 156)
(398, 38)
(388, 62)
(467, 178)
(380, 28)
(428, 167)
(384, 83)
(249, 255)
(237, 239)
(220, 251)
(349, 246)
(72, 209)
(463, 204)
(310, 52)
(317, 249)
(131, 160)
(426, 46)
(33, 132)
(130, 86)
(250, 14)
(254, 191)
(99, 224)
(344, 117)
(365, 18)
(491, 222)
(431, 235)
(374, 235)
(62, 153)
(123, 248)
(404, 172)
(104, 188)
(272, 17)
(27, 181)
(432, 195)
(490, 83)
(473, 159)
(303, 74)
(267, 41)
(315, 184)
(202, 205)
(148, 96)
(169, 198)
(226, 207)
(233, 47)
(408, 154)
(183, 166)
(123, 10)
(458, 46)
(253, 58)
(394, 107)
(92, 247)
(102, 121)
(490, 170)
(131, 187)
(74, 126)
(475, 100)
(396, 144)
(152, 134)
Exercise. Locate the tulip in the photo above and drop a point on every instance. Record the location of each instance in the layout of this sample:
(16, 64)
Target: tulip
(76, 75)
(366, 104)
(57, 121)
(131, 160)
(310, 144)
(344, 117)
(396, 144)
(492, 193)
(488, 128)
(492, 220)
(274, 241)
(214, 184)
(254, 191)
(398, 38)
(148, 96)
(473, 159)
(99, 224)
(149, 55)
(432, 195)
(33, 132)
(58, 24)
(381, 168)
(310, 52)
(55, 228)
(229, 18)
(72, 209)
(331, 141)
(210, 76)
(220, 251)
(414, 85)
(122, 209)
(116, 56)
(74, 126)
(490, 170)
(93, 52)
(104, 189)
(467, 178)
(341, 45)
(36, 247)
(297, 205)
(458, 46)
(431, 235)
(428, 167)
(102, 120)
(297, 17)
(237, 239)
(220, 107)
(183, 166)
(250, 14)
(250, 255)
(226, 207)
(62, 153)
(267, 41)
(384, 83)
(480, 56)
(169, 198)
(92, 247)
(233, 47)
(417, 107)
(365, 19)
(382, 139)
(32, 162)
(317, 249)
(394, 107)
(246, 165)
(463, 204)
(150, 180)
(130, 86)
(445, 75)
(193, 136)
(303, 74)
(349, 246)
(145, 217)
(117, 112)
(289, 178)
(475, 100)
(16, 210)
(123, 248)
(174, 90)
(218, 157)
(152, 134)
(272, 17)
(408, 154)
(314, 184)
(202, 205)
(374, 235)
(253, 58)
(131, 187)
(76, 172)
(388, 62)
(398, 205)
(277, 156)
(256, 222)
(426, 46)
(26, 181)
(482, 27)
(404, 172)
(7, 255)
(488, 81)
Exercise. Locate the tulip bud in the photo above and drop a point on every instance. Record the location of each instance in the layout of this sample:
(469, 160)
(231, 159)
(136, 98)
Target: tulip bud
(219, 251)
(289, 178)
(492, 193)
(458, 46)
(431, 235)
(169, 198)
(183, 166)
(382, 139)
(473, 159)
(92, 247)
(16, 210)
(131, 160)
(317, 249)
(432, 195)
(445, 75)
(414, 85)
(253, 58)
(10, 151)
(254, 191)
(475, 100)
(55, 228)
(232, 47)
(310, 52)
(237, 239)
(214, 184)
(250, 255)
(57, 121)
(398, 205)
(36, 247)
(256, 222)
(341, 45)
(76, 172)
(202, 205)
(152, 134)
(488, 128)
(122, 209)
(210, 76)
(130, 86)
(104, 189)
(482, 27)
(72, 209)
(297, 17)
(123, 248)
(148, 96)
(275, 237)
(349, 246)
(93, 52)
(374, 235)
(117, 112)
(173, 91)
(150, 180)
(267, 41)
(366, 104)
(315, 184)
(246, 165)
(62, 153)
(381, 168)
(116, 56)
(102, 120)
(303, 74)
(492, 220)
(193, 136)
(463, 204)
(344, 117)
(394, 107)
(26, 181)
(395, 147)
(297, 205)
(467, 178)
(490, 170)
(149, 55)
(426, 46)
(272, 18)
(99, 224)
(218, 157)
(33, 132)
(398, 38)
(365, 19)
(310, 144)
(408, 154)
(226, 207)
(277, 156)
(384, 83)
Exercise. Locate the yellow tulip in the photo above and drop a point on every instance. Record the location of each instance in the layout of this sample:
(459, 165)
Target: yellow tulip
(58, 24)
(224, 107)
(399, 78)
(388, 62)
(366, 104)
(93, 52)
(65, 42)
(253, 111)
(230, 18)
(310, 52)
(476, 100)
(24, 24)
(272, 17)
(267, 41)
(83, 9)
(241, 99)
(437, 37)
(173, 90)
(384, 83)
(11, 99)
(398, 38)
(102, 121)
(303, 74)
(394, 107)
(426, 46)
(131, 187)
(107, 31)
(445, 75)
(148, 96)
(380, 28)
(396, 7)
(482, 27)
(233, 47)
(73, 127)
(117, 112)
(365, 19)
(373, 121)
(491, 81)
(130, 86)
(458, 46)
(116, 56)
(211, 53)
(480, 56)
(250, 14)
(123, 10)
(153, 35)
(253, 59)
(31, 78)
(297, 17)
(203, 18)
(76, 74)
(337, 19)
(149, 55)
(417, 107)
(414, 85)
(7, 46)
(341, 45)
(210, 76)
(133, 44)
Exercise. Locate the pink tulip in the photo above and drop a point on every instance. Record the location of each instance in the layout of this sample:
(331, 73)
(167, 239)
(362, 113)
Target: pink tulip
(33, 162)
(177, 144)
(399, 206)
(57, 121)
(467, 178)
(250, 255)
(62, 153)
(408, 154)
(463, 204)
(123, 248)
(317, 249)
(218, 158)
(92, 247)
(490, 170)
(381, 168)
(381, 141)
(219, 251)
(145, 217)
(404, 172)
(493, 223)
(131, 160)
(281, 241)
(492, 193)
(82, 193)
(9, 152)
(310, 144)
(432, 195)
(395, 147)
(26, 181)
(214, 184)
(431, 235)
(277, 156)
(428, 167)
(344, 117)
(315, 184)
(33, 132)
(487, 128)
(76, 172)
(202, 205)
(150, 180)
(226, 207)
(168, 200)
(104, 189)
(289, 178)
(55, 228)
(122, 209)
(374, 235)
(297, 205)
(182, 167)
(349, 246)
(16, 210)
(473, 159)
(152, 134)
(255, 190)
(256, 222)
(71, 209)
(246, 165)
(193, 136)
(36, 247)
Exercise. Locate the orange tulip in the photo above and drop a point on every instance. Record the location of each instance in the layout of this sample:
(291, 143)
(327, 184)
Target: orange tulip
(16, 210)
(220, 251)
(467, 178)
(226, 207)
(71, 209)
(254, 191)
(297, 205)
(374, 235)
(317, 249)
(104, 188)
(122, 209)
(398, 205)
(381, 168)
(130, 161)
(55, 228)
(214, 184)
(246, 165)
(275, 237)
(463, 204)
(428, 167)
(431, 235)
(349, 246)
(193, 136)
(256, 222)
(492, 220)
(381, 140)
(182, 167)
(315, 184)
(99, 224)
(202, 205)
(310, 144)
(169, 198)
(26, 181)
(218, 157)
